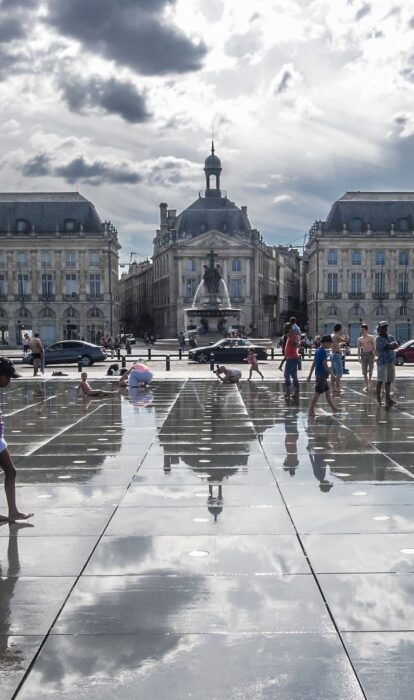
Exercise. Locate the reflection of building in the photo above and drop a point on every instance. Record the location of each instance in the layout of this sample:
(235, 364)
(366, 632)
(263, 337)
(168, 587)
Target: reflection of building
(360, 264)
(252, 270)
(58, 268)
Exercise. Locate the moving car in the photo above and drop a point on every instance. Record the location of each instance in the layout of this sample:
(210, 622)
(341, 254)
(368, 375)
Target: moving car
(69, 351)
(227, 350)
(405, 353)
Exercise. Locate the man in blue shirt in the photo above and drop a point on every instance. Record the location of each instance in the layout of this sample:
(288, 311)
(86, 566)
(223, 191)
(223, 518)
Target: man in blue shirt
(322, 372)
(385, 346)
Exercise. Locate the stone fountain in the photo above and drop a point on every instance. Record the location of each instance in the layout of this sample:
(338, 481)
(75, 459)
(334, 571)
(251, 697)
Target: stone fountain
(211, 312)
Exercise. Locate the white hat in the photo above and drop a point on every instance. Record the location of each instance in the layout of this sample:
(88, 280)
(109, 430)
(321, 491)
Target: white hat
(383, 324)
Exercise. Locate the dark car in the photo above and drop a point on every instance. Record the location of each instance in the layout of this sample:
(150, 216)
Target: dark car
(69, 351)
(227, 350)
(405, 353)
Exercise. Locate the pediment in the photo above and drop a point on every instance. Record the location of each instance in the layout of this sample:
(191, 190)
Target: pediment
(214, 240)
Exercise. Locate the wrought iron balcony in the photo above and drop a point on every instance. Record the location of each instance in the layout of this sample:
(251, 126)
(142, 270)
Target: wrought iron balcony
(380, 295)
(333, 295)
(356, 295)
(404, 295)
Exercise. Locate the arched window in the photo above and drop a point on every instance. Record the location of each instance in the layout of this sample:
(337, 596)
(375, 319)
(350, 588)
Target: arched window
(380, 311)
(95, 313)
(70, 312)
(47, 313)
(23, 313)
(357, 311)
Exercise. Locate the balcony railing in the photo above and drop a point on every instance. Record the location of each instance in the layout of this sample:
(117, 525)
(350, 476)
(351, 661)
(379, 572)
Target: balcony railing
(46, 297)
(356, 295)
(380, 295)
(70, 297)
(94, 297)
(404, 295)
(333, 295)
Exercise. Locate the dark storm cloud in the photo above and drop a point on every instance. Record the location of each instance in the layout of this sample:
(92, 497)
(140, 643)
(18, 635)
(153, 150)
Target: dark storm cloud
(37, 166)
(16, 4)
(363, 12)
(11, 28)
(96, 172)
(130, 32)
(113, 96)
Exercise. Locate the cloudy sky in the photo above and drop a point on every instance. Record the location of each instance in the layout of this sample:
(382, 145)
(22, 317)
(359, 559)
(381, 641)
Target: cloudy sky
(116, 98)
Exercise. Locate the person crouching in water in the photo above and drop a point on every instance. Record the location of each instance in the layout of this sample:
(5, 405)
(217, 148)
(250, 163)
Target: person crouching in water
(322, 372)
(86, 389)
(8, 372)
(137, 374)
(254, 365)
(230, 374)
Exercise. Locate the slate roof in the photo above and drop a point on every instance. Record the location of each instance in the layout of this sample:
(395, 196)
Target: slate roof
(44, 209)
(379, 209)
(208, 213)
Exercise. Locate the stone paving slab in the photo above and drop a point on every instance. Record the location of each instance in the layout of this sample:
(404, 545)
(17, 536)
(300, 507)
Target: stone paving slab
(202, 541)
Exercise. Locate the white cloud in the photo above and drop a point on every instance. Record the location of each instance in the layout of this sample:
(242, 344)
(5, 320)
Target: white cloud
(281, 199)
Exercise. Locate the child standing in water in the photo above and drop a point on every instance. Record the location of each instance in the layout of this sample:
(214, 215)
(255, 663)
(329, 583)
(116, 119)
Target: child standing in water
(254, 366)
(8, 372)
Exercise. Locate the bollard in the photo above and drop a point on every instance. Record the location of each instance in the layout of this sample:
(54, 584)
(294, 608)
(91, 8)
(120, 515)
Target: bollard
(167, 363)
(118, 354)
(212, 361)
(272, 353)
(149, 353)
(180, 354)
(80, 368)
(123, 362)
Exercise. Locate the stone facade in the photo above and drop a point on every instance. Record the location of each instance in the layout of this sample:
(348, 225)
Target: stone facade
(359, 264)
(58, 268)
(253, 271)
(135, 298)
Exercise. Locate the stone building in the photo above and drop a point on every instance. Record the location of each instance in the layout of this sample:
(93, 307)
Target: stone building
(58, 268)
(135, 298)
(250, 268)
(360, 263)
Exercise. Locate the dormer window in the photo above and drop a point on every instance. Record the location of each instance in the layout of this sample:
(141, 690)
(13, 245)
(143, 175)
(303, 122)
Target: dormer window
(356, 224)
(69, 225)
(22, 225)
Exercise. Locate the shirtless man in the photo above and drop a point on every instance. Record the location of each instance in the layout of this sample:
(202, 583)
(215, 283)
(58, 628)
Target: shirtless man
(230, 374)
(338, 341)
(37, 349)
(366, 355)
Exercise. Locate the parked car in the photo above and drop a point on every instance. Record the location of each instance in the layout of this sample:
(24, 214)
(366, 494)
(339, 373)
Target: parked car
(227, 350)
(405, 353)
(69, 351)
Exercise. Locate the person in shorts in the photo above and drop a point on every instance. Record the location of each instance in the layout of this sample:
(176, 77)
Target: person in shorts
(337, 367)
(136, 375)
(366, 355)
(36, 348)
(322, 372)
(8, 372)
(385, 346)
(254, 365)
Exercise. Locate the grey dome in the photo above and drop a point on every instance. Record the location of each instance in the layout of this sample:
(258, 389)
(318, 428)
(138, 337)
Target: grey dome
(212, 162)
(208, 213)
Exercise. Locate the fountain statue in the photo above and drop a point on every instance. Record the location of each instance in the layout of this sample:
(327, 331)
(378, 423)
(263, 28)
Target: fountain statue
(211, 312)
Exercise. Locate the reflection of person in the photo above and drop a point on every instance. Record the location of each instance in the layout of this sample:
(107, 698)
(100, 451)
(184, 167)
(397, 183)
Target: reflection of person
(7, 372)
(86, 389)
(137, 374)
(140, 398)
(37, 351)
(26, 343)
(8, 581)
(291, 460)
(385, 346)
(322, 372)
(338, 341)
(230, 374)
(254, 365)
(366, 355)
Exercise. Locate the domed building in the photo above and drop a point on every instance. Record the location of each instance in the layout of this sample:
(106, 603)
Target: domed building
(181, 248)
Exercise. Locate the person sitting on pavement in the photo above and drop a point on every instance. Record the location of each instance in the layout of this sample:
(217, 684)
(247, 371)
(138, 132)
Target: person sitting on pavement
(137, 374)
(85, 388)
(230, 374)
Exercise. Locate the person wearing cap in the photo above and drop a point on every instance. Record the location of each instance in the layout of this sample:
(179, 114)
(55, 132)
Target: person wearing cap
(8, 372)
(322, 372)
(385, 346)
(366, 355)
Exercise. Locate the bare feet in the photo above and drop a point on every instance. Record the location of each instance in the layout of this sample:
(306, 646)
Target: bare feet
(19, 516)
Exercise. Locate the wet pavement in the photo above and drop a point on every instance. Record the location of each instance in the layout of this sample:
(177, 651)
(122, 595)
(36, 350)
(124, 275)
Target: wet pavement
(198, 540)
